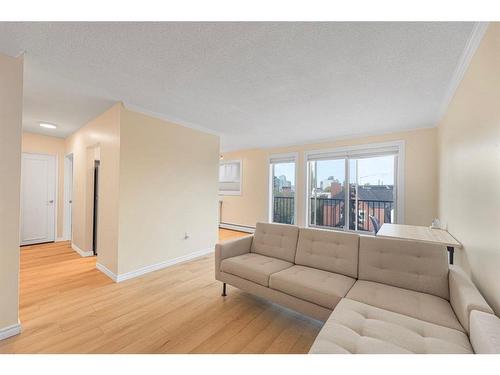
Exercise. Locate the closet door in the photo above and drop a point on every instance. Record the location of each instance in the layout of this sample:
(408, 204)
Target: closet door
(38, 194)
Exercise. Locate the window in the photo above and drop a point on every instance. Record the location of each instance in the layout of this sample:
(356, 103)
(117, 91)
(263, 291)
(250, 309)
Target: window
(283, 203)
(327, 193)
(372, 191)
(346, 186)
(230, 177)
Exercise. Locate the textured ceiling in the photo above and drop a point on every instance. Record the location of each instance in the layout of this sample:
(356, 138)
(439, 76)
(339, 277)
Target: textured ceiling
(255, 84)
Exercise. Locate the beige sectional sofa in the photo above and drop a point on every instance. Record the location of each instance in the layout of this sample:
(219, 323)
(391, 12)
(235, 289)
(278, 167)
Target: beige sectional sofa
(375, 295)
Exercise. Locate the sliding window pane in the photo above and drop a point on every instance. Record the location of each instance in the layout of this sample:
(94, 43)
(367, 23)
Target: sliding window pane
(372, 191)
(283, 193)
(327, 193)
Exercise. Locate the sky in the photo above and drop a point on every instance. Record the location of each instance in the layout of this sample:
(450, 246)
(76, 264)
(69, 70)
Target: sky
(370, 170)
(373, 169)
(287, 169)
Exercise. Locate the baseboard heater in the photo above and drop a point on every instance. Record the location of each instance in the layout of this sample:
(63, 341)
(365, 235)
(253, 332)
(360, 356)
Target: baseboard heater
(239, 228)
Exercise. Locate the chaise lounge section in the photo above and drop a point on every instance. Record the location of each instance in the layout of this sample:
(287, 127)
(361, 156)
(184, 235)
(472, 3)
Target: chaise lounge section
(376, 295)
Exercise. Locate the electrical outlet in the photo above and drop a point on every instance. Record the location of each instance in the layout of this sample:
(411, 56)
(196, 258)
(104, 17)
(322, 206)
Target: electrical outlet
(186, 235)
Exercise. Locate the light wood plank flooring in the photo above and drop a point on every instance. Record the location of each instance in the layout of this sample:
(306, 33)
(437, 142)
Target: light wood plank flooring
(226, 234)
(67, 306)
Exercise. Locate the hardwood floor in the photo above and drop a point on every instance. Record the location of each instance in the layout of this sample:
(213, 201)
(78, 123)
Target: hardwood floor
(68, 306)
(226, 234)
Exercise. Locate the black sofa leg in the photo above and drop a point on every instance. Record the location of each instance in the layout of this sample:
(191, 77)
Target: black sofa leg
(224, 290)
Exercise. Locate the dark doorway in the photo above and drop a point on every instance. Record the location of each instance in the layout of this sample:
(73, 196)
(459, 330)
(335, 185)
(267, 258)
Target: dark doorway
(96, 206)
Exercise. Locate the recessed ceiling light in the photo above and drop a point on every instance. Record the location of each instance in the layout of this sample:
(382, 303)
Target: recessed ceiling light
(48, 126)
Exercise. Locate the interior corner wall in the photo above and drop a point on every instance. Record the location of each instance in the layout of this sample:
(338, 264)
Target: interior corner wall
(168, 187)
(420, 169)
(469, 178)
(41, 144)
(11, 107)
(99, 138)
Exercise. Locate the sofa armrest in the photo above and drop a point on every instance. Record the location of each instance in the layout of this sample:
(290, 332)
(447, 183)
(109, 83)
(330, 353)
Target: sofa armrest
(484, 333)
(465, 297)
(231, 249)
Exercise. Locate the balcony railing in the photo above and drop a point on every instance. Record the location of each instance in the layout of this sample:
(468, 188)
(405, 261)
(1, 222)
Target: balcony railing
(283, 210)
(330, 212)
(381, 210)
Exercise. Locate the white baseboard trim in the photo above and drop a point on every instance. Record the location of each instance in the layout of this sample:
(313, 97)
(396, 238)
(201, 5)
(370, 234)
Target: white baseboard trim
(239, 228)
(81, 252)
(152, 267)
(107, 272)
(165, 264)
(10, 331)
(60, 239)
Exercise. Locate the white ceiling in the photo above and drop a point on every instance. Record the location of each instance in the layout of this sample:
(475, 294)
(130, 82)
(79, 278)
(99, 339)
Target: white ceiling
(255, 84)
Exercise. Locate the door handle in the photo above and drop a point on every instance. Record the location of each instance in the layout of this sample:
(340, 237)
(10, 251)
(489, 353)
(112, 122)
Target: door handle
(51, 201)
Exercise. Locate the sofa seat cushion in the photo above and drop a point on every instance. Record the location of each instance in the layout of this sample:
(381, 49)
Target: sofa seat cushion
(418, 305)
(356, 327)
(254, 267)
(320, 287)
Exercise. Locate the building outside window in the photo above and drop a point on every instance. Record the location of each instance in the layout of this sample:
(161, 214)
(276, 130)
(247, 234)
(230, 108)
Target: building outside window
(282, 181)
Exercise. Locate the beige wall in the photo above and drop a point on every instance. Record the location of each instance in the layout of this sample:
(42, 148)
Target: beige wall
(420, 178)
(40, 144)
(100, 138)
(168, 186)
(11, 102)
(469, 149)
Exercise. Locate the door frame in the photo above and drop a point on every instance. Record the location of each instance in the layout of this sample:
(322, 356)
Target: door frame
(68, 177)
(56, 192)
(95, 207)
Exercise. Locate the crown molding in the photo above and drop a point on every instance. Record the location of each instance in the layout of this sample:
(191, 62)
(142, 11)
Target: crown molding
(170, 119)
(475, 38)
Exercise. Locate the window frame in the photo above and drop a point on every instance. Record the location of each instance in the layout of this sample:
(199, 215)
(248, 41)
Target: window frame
(291, 157)
(239, 181)
(346, 153)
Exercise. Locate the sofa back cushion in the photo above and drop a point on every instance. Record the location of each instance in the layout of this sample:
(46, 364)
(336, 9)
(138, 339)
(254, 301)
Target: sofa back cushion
(406, 264)
(328, 250)
(275, 240)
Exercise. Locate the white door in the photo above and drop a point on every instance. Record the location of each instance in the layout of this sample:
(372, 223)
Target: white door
(38, 194)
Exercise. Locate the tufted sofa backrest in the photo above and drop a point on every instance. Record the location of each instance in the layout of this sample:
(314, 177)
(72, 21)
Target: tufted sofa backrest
(275, 240)
(328, 250)
(411, 265)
